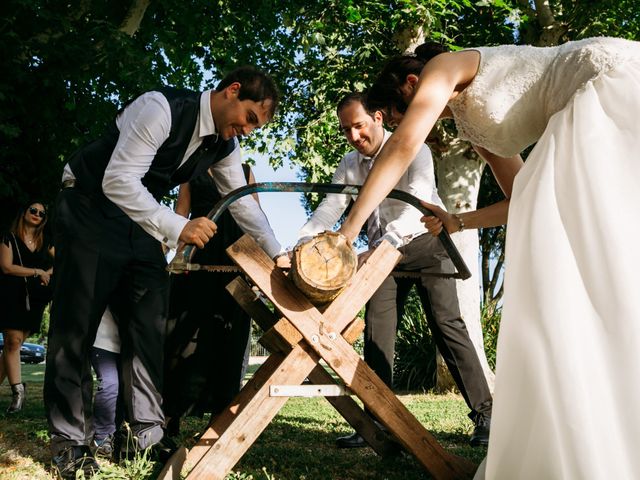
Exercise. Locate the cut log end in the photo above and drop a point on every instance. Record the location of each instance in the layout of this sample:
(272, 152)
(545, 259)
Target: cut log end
(323, 266)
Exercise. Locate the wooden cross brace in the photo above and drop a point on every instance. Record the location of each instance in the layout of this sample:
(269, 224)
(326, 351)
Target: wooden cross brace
(321, 336)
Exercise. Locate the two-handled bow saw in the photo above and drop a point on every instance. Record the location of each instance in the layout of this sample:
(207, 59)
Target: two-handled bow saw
(181, 261)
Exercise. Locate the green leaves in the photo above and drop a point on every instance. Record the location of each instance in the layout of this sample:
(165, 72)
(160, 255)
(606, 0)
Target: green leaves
(66, 70)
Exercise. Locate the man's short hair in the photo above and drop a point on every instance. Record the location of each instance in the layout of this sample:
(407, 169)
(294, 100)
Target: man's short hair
(354, 97)
(255, 85)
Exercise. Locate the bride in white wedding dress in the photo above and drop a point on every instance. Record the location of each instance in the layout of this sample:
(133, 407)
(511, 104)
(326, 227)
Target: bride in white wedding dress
(568, 368)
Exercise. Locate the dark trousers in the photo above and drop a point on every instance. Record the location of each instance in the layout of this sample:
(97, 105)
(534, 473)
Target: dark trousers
(208, 379)
(440, 303)
(106, 407)
(103, 260)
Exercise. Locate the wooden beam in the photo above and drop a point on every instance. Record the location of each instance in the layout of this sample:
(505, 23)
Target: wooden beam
(273, 327)
(347, 406)
(230, 436)
(319, 332)
(365, 282)
(352, 332)
(249, 301)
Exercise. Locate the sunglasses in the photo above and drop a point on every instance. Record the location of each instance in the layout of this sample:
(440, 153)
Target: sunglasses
(35, 211)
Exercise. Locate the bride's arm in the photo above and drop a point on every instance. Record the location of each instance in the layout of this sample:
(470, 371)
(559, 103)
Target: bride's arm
(436, 86)
(504, 170)
(490, 216)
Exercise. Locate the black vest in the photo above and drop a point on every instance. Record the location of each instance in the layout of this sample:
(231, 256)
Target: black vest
(89, 163)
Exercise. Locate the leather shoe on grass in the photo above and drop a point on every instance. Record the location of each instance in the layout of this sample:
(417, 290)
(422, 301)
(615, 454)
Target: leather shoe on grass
(351, 441)
(480, 435)
(158, 452)
(73, 459)
(102, 448)
(164, 449)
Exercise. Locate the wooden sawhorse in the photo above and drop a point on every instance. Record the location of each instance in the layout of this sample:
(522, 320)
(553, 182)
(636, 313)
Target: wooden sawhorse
(299, 341)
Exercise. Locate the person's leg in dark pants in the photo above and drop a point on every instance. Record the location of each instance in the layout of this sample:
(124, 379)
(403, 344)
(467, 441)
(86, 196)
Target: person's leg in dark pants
(381, 319)
(215, 369)
(380, 330)
(106, 405)
(454, 344)
(140, 304)
(86, 274)
(231, 345)
(440, 303)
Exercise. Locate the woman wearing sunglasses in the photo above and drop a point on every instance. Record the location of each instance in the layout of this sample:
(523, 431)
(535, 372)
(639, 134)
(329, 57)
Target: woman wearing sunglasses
(26, 260)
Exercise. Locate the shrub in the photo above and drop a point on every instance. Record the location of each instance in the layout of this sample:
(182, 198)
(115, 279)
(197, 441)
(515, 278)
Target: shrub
(415, 358)
(491, 314)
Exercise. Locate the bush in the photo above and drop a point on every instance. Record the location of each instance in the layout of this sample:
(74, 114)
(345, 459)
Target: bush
(415, 358)
(491, 314)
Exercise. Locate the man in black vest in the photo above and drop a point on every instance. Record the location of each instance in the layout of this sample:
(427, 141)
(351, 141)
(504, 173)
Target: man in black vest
(109, 233)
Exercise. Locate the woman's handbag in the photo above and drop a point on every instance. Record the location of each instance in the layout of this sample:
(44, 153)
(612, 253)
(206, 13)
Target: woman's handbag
(26, 288)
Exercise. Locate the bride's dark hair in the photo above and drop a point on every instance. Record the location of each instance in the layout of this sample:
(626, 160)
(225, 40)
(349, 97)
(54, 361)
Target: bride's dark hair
(385, 93)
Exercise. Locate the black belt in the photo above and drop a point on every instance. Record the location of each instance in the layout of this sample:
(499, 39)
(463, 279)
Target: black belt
(69, 183)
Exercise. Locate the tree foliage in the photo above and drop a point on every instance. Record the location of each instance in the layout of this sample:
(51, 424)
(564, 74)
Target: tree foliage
(68, 66)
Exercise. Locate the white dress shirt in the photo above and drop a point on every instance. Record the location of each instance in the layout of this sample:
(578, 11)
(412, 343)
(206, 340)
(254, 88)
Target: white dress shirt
(144, 126)
(399, 221)
(108, 336)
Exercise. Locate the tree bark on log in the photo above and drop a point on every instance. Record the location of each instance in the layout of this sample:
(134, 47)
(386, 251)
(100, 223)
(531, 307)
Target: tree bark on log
(323, 266)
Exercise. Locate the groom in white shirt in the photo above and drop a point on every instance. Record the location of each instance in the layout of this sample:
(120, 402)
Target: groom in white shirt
(109, 232)
(399, 224)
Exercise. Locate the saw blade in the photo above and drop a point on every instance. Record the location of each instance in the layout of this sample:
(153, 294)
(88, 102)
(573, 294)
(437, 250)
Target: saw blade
(196, 267)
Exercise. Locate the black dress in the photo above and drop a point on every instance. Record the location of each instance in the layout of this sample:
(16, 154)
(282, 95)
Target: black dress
(13, 289)
(207, 380)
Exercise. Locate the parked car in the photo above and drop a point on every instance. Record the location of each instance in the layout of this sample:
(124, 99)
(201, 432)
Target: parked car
(29, 352)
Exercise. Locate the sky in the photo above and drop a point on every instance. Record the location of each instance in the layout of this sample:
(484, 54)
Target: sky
(284, 210)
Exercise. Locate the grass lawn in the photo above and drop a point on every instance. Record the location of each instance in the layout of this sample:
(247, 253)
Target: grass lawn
(297, 445)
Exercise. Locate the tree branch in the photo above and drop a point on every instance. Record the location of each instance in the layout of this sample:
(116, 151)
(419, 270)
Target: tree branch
(409, 38)
(544, 14)
(552, 29)
(134, 16)
(496, 273)
(498, 296)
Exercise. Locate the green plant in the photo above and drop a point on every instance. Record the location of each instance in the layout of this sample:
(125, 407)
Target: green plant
(415, 358)
(491, 314)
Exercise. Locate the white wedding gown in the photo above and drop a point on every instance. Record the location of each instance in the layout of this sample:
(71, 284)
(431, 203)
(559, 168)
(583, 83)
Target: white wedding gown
(568, 367)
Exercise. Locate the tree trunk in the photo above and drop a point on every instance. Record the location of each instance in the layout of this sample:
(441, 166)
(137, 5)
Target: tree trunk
(552, 30)
(322, 266)
(459, 170)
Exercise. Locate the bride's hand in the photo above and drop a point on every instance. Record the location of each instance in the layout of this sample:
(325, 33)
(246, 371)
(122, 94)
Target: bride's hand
(440, 218)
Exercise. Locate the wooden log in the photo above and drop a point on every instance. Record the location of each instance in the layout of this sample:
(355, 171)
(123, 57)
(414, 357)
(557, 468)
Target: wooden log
(323, 266)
